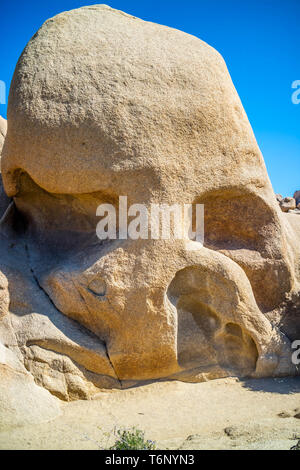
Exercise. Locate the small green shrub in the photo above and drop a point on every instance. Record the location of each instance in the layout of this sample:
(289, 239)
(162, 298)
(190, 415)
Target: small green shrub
(131, 439)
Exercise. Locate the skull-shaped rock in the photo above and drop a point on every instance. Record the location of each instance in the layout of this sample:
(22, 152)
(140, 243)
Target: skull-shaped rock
(104, 105)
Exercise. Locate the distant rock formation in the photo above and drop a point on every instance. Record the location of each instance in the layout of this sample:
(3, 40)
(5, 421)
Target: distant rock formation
(289, 204)
(297, 197)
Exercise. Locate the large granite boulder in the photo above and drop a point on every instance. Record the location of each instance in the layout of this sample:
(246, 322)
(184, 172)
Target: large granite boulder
(287, 204)
(103, 105)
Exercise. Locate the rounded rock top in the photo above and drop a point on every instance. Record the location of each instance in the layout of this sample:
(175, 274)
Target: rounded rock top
(98, 93)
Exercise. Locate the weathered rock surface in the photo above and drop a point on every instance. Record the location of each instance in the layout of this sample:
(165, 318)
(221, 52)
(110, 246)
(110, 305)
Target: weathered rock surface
(119, 106)
(22, 402)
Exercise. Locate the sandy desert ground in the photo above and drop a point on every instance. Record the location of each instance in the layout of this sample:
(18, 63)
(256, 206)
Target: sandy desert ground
(221, 414)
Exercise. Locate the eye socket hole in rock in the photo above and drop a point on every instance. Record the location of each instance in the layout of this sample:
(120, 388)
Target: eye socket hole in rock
(233, 329)
(246, 228)
(197, 324)
(203, 315)
(63, 220)
(237, 353)
(234, 219)
(204, 338)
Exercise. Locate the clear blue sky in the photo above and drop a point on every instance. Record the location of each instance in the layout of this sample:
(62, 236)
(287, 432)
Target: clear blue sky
(259, 39)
